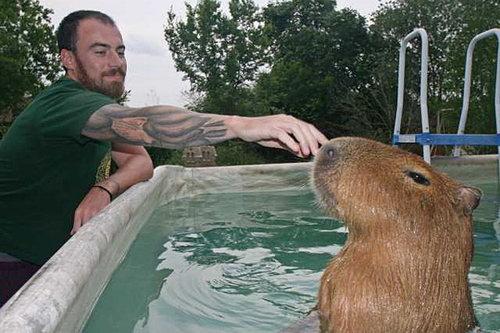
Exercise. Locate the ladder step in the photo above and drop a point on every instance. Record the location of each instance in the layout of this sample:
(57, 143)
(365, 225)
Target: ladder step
(448, 139)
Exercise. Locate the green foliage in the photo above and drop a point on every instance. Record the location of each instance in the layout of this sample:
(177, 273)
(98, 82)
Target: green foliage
(28, 54)
(314, 54)
(161, 156)
(320, 57)
(219, 54)
(328, 67)
(228, 153)
(237, 153)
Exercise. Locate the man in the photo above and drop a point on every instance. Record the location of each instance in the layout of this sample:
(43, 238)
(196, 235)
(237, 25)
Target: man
(49, 157)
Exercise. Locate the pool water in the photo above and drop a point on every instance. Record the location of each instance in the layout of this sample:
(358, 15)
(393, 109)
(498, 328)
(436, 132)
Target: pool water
(251, 262)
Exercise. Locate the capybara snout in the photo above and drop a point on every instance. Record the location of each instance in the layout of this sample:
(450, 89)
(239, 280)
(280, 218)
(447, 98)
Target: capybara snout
(405, 263)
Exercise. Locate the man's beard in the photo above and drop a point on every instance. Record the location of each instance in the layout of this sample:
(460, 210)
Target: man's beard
(113, 89)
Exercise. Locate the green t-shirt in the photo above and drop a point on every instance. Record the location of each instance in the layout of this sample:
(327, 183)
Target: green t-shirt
(46, 169)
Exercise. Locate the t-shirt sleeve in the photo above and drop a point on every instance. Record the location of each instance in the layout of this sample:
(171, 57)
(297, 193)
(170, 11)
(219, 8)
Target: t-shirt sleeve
(68, 118)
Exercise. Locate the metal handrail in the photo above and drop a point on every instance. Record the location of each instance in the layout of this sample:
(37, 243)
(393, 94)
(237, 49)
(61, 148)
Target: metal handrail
(467, 83)
(426, 139)
(424, 64)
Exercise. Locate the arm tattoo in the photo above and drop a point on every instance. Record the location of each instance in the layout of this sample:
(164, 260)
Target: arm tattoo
(159, 126)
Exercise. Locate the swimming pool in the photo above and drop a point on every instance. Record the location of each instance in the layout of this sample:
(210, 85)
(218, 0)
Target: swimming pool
(244, 254)
(250, 262)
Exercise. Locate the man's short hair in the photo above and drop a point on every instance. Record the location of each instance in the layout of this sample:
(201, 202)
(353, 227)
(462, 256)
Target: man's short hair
(66, 32)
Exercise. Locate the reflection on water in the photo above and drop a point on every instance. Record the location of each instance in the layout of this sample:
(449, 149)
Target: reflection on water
(251, 262)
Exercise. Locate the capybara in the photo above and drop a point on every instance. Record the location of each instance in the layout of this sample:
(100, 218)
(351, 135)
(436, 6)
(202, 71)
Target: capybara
(409, 248)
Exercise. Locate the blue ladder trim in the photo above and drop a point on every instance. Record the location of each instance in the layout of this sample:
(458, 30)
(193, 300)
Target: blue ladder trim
(448, 139)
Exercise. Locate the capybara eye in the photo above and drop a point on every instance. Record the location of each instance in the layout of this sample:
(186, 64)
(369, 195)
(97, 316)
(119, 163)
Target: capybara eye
(330, 153)
(418, 178)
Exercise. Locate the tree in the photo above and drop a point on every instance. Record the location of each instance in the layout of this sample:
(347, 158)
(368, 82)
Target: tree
(28, 54)
(318, 57)
(219, 54)
(326, 66)
(307, 59)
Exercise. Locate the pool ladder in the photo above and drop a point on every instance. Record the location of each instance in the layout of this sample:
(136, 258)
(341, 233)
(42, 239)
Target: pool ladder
(426, 139)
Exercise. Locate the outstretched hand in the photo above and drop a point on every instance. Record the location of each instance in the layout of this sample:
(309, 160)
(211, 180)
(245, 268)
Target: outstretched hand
(279, 131)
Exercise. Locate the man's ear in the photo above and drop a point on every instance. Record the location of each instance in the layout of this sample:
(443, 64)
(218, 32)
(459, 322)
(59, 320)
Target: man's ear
(68, 59)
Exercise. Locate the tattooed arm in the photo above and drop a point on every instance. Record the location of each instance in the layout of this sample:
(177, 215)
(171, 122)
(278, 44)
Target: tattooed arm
(174, 128)
(158, 126)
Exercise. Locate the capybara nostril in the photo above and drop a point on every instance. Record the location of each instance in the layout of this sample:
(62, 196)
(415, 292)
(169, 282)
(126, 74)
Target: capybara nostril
(330, 152)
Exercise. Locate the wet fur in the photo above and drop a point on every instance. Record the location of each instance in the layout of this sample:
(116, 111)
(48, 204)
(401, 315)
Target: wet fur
(405, 263)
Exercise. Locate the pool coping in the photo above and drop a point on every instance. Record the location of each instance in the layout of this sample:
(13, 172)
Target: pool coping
(60, 297)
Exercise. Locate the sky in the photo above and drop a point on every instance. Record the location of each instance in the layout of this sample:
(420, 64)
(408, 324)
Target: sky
(151, 76)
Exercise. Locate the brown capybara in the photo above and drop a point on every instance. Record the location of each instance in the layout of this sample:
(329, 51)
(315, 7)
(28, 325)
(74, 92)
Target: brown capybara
(405, 262)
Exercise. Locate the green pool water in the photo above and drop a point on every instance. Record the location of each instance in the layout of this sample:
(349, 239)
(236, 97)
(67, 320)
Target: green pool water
(251, 262)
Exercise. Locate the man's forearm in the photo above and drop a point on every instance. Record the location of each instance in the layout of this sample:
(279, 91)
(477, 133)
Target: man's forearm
(159, 126)
(135, 170)
(134, 165)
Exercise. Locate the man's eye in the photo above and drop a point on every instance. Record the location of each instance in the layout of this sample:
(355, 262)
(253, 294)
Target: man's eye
(100, 52)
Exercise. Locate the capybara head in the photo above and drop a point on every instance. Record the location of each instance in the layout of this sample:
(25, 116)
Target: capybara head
(404, 266)
(371, 186)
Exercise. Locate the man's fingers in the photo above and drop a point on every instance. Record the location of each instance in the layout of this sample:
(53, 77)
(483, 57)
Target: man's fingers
(81, 218)
(292, 125)
(302, 138)
(299, 142)
(311, 139)
(315, 138)
(308, 136)
(293, 139)
(91, 205)
(289, 142)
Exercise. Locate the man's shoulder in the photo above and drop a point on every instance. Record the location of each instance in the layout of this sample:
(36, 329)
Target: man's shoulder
(58, 90)
(61, 84)
(65, 86)
(67, 92)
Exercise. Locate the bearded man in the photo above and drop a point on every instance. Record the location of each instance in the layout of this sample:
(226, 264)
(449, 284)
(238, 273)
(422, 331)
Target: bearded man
(49, 157)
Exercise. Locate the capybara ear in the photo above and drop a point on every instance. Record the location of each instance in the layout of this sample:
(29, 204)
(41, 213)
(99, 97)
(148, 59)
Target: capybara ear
(469, 197)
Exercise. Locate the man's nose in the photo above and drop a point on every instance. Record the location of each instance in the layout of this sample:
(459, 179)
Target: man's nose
(115, 59)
